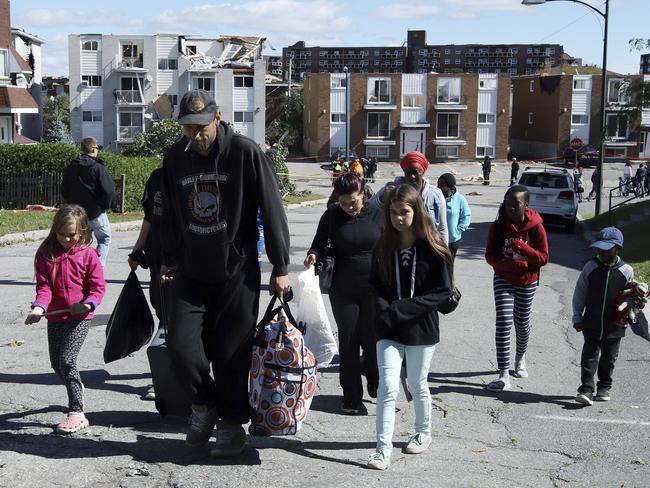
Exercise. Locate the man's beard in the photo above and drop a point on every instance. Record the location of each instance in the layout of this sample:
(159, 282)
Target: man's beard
(202, 146)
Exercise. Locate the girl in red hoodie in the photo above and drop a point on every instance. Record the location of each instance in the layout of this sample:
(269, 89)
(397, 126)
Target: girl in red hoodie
(516, 248)
(69, 287)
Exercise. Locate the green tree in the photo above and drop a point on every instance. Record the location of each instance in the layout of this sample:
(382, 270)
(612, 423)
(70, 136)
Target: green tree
(156, 140)
(57, 107)
(57, 132)
(279, 158)
(286, 128)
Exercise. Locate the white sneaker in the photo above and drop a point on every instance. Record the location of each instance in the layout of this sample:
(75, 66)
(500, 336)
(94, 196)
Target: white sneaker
(520, 367)
(418, 443)
(379, 461)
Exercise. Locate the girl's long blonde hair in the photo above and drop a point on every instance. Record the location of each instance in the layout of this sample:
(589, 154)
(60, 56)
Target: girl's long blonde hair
(423, 228)
(66, 215)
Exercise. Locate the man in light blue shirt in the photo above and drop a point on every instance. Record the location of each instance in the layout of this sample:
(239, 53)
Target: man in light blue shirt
(459, 215)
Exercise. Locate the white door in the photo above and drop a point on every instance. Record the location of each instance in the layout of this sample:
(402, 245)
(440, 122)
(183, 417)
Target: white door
(5, 127)
(412, 140)
(645, 141)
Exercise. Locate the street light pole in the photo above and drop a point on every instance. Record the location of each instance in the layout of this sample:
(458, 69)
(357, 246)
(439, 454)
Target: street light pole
(347, 114)
(603, 90)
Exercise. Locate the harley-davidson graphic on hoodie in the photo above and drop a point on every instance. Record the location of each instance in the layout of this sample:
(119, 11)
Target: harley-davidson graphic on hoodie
(210, 208)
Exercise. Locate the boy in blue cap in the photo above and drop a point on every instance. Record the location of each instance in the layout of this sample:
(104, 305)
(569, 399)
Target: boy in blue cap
(600, 282)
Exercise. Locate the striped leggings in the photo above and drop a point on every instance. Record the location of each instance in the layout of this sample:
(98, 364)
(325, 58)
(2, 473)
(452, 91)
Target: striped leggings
(513, 303)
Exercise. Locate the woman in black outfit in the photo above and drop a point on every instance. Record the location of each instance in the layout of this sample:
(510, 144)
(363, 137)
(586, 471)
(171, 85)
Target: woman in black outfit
(353, 228)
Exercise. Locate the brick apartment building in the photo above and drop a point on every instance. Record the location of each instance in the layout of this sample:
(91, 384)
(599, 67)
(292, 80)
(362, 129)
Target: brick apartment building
(549, 111)
(457, 117)
(419, 57)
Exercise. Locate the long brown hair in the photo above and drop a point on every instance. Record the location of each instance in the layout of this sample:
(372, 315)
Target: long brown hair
(66, 215)
(423, 228)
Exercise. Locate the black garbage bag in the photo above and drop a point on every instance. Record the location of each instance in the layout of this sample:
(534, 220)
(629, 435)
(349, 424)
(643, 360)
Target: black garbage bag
(131, 324)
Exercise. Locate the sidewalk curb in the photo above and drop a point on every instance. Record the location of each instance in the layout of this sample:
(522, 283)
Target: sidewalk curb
(37, 235)
(310, 203)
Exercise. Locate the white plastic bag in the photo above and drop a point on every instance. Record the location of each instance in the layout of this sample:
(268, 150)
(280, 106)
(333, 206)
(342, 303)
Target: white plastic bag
(311, 311)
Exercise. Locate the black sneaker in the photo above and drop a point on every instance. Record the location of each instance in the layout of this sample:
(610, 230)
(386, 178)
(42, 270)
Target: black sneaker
(353, 408)
(585, 398)
(603, 395)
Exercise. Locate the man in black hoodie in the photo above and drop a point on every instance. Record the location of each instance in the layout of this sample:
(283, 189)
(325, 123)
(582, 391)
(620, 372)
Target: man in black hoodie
(214, 182)
(87, 183)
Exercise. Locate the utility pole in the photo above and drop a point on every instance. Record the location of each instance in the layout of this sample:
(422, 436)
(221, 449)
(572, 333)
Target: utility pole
(290, 73)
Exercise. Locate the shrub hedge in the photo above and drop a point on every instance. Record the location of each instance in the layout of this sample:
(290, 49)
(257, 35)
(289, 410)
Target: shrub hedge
(55, 157)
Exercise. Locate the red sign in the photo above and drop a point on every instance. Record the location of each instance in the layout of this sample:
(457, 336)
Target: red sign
(576, 143)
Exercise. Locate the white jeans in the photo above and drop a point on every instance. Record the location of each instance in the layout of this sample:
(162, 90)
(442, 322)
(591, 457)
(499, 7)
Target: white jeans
(389, 359)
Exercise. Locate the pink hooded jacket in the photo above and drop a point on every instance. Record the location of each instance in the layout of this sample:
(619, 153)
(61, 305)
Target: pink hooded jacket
(68, 278)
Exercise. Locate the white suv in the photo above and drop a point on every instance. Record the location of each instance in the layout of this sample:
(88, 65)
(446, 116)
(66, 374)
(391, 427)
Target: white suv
(552, 194)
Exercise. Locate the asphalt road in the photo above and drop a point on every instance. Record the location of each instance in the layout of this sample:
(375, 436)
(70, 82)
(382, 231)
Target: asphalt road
(531, 436)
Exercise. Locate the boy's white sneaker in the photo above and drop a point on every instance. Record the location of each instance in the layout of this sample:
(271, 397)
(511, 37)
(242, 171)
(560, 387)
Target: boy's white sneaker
(379, 461)
(418, 443)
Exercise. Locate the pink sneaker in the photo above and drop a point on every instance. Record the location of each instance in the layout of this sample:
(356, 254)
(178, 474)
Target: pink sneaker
(74, 422)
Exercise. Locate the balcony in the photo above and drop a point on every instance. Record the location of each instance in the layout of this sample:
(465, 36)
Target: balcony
(128, 133)
(129, 65)
(383, 102)
(128, 97)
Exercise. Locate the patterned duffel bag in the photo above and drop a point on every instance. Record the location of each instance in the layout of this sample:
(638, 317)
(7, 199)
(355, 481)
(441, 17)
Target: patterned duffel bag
(282, 376)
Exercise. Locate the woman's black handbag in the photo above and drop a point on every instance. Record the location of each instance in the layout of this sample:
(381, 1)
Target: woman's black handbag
(451, 303)
(324, 268)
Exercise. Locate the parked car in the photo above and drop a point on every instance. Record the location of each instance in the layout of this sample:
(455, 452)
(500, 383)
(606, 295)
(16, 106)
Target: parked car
(552, 194)
(587, 155)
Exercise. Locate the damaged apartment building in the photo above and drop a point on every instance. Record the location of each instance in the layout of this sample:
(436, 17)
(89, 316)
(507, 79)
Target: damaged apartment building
(120, 85)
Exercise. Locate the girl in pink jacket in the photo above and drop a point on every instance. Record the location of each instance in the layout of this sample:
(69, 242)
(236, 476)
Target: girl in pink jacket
(69, 287)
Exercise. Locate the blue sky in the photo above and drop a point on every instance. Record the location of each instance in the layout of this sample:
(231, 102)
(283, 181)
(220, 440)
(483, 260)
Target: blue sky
(345, 23)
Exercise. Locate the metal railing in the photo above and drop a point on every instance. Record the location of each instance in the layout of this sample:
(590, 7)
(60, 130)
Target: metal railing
(127, 133)
(127, 97)
(634, 186)
(18, 189)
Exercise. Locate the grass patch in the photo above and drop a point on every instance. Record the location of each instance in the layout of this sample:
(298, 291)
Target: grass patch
(13, 221)
(635, 249)
(298, 198)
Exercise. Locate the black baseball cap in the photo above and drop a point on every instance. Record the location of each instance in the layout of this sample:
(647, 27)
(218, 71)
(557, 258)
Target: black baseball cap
(197, 107)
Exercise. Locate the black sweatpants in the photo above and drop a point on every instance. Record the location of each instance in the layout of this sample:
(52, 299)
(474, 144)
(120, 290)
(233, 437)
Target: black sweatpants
(598, 357)
(65, 340)
(353, 307)
(212, 325)
(453, 248)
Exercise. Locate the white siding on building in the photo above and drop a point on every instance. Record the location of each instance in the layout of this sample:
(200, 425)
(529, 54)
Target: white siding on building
(167, 80)
(90, 63)
(91, 98)
(581, 105)
(486, 123)
(337, 101)
(242, 99)
(414, 84)
(337, 106)
(486, 136)
(337, 137)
